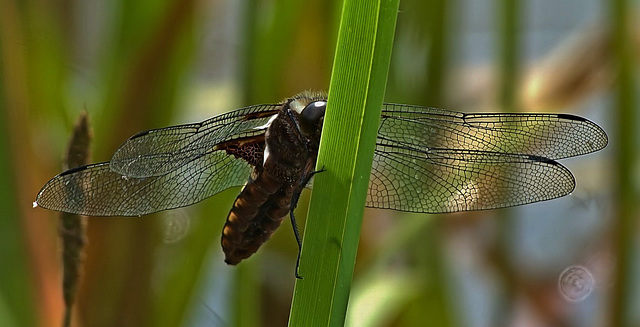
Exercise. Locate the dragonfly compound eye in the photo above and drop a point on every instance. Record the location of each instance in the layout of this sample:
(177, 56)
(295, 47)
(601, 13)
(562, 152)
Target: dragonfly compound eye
(311, 115)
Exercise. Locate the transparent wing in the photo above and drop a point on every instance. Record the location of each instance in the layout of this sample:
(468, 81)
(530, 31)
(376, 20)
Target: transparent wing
(434, 160)
(96, 190)
(553, 136)
(427, 160)
(159, 151)
(450, 180)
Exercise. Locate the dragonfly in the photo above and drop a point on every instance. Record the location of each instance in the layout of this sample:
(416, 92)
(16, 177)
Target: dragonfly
(426, 160)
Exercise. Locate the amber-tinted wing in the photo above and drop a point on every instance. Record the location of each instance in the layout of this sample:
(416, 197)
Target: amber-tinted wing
(161, 169)
(434, 160)
(158, 151)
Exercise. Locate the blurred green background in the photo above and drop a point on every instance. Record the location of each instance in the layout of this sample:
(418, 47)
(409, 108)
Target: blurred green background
(135, 65)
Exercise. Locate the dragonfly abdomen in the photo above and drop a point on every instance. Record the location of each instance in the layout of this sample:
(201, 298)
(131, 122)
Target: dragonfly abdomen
(257, 212)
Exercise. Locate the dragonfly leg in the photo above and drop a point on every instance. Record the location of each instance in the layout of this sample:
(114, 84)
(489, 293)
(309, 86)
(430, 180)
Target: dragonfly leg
(296, 232)
(294, 224)
(310, 176)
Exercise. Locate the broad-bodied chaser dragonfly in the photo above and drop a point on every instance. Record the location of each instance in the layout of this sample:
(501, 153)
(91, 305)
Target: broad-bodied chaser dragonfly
(426, 160)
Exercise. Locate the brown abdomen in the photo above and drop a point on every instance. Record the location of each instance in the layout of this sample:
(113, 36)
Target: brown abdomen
(257, 212)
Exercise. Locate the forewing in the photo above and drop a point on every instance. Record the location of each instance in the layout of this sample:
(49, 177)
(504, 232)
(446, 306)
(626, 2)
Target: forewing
(96, 190)
(553, 136)
(159, 151)
(450, 180)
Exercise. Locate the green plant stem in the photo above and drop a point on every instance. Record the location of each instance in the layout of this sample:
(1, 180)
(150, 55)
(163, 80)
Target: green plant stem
(625, 230)
(509, 12)
(509, 48)
(437, 59)
(333, 226)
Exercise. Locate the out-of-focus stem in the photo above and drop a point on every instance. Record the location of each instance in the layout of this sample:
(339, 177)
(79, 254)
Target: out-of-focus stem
(508, 12)
(72, 227)
(627, 216)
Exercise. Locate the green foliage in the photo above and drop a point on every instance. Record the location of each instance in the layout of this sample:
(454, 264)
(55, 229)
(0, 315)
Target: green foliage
(331, 236)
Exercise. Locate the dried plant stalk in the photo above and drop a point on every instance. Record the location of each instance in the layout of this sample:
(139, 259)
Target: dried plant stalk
(72, 227)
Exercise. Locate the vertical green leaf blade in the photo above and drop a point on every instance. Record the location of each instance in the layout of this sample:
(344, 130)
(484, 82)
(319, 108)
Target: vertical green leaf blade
(333, 226)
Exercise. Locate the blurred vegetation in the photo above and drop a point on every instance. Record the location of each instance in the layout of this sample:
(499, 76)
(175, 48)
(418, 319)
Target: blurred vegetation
(148, 64)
